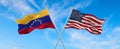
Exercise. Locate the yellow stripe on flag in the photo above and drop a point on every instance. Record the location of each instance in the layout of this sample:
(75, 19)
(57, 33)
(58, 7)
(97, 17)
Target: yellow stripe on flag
(26, 19)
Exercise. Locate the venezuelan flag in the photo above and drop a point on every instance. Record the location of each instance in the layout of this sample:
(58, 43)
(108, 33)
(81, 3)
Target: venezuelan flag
(34, 21)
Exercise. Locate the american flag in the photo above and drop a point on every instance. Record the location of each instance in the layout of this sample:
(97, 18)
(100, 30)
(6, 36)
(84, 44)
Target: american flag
(85, 21)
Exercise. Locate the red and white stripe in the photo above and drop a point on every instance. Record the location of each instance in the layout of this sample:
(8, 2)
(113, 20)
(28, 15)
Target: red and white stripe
(89, 22)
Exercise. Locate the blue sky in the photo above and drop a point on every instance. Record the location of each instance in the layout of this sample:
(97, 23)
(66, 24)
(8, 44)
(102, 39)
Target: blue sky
(59, 11)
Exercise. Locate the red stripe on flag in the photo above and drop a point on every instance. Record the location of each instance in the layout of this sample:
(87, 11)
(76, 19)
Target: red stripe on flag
(68, 26)
(42, 26)
(74, 25)
(93, 31)
(94, 19)
(81, 24)
(86, 20)
(94, 16)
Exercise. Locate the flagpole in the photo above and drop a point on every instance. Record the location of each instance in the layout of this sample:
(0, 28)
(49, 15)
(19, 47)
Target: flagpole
(58, 34)
(60, 38)
(63, 29)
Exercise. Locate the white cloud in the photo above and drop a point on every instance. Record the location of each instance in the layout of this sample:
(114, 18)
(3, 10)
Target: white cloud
(75, 36)
(44, 3)
(15, 48)
(21, 7)
(11, 18)
(33, 3)
(82, 4)
(84, 40)
(16, 7)
(58, 9)
(4, 2)
(117, 29)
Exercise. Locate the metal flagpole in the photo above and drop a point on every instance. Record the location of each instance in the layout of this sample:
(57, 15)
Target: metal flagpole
(60, 38)
(63, 30)
(58, 34)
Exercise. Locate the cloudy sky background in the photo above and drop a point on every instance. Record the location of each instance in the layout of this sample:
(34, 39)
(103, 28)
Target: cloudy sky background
(59, 11)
